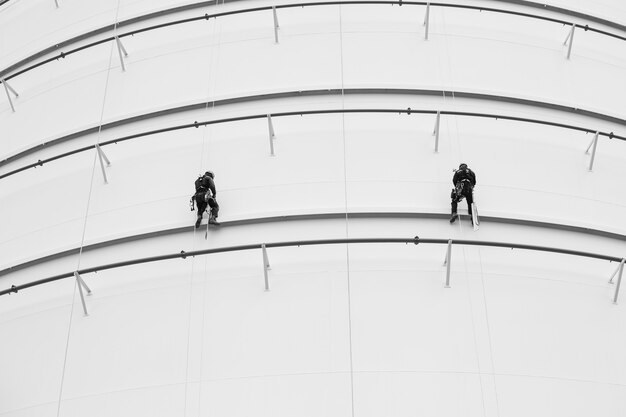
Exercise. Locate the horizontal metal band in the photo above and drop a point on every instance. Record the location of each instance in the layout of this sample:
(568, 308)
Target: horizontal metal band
(308, 93)
(324, 216)
(110, 28)
(415, 240)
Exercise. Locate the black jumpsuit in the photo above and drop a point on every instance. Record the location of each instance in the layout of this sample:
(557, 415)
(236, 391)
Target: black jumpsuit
(203, 185)
(464, 181)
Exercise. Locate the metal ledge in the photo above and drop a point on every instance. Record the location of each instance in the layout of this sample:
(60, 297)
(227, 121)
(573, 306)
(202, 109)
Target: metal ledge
(415, 240)
(292, 94)
(310, 217)
(53, 49)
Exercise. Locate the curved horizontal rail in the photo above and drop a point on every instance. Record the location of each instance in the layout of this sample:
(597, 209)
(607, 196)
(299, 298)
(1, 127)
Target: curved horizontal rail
(314, 93)
(207, 16)
(415, 240)
(309, 217)
(407, 111)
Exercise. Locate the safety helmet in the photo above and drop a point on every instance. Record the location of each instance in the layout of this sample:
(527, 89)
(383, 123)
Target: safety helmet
(209, 174)
(463, 166)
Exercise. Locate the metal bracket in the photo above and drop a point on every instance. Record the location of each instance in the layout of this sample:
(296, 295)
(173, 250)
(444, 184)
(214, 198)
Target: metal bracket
(620, 268)
(8, 88)
(276, 26)
(266, 267)
(570, 37)
(270, 127)
(594, 142)
(447, 263)
(427, 20)
(121, 50)
(81, 284)
(616, 270)
(101, 156)
(436, 131)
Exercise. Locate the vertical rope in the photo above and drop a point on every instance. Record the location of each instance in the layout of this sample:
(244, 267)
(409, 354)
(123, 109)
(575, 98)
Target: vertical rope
(67, 344)
(345, 181)
(195, 230)
(445, 87)
(82, 240)
(213, 63)
(459, 147)
(452, 89)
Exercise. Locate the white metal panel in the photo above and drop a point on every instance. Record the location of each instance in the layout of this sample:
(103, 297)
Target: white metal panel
(124, 347)
(363, 329)
(32, 358)
(45, 410)
(163, 401)
(305, 395)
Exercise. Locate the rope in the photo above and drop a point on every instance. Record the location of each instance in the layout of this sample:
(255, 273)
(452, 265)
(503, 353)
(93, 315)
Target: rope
(345, 188)
(213, 61)
(459, 148)
(82, 241)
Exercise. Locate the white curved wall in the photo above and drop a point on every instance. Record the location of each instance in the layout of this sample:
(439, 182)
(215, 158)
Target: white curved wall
(345, 330)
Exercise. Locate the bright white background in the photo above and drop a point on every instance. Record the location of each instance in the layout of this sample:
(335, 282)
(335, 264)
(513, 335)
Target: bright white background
(359, 330)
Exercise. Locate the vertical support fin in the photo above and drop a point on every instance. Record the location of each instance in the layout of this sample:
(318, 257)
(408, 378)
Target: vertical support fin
(448, 258)
(619, 281)
(56, 2)
(11, 89)
(81, 284)
(8, 88)
(121, 45)
(617, 269)
(590, 143)
(101, 155)
(270, 127)
(427, 20)
(570, 37)
(567, 37)
(121, 52)
(276, 26)
(266, 267)
(593, 152)
(436, 131)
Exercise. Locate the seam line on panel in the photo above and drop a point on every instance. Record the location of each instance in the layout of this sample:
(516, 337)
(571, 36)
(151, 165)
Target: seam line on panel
(423, 372)
(420, 372)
